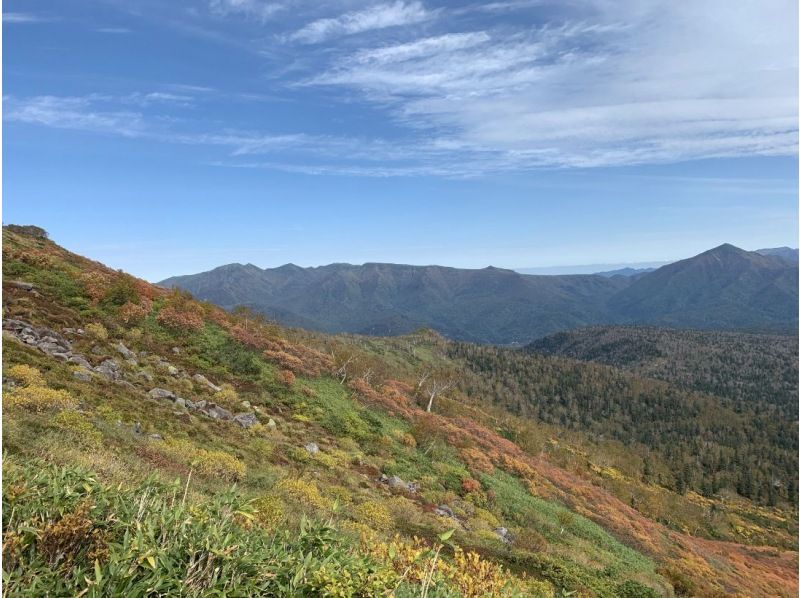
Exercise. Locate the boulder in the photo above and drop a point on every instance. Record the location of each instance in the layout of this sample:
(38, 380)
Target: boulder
(504, 535)
(444, 511)
(82, 374)
(80, 360)
(201, 379)
(109, 368)
(312, 448)
(246, 420)
(162, 393)
(125, 352)
(24, 286)
(214, 411)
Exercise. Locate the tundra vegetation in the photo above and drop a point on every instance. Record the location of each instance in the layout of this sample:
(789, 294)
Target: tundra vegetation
(158, 445)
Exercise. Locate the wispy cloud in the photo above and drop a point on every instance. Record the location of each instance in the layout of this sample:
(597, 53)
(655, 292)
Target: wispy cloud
(379, 16)
(113, 30)
(635, 83)
(23, 17)
(258, 9)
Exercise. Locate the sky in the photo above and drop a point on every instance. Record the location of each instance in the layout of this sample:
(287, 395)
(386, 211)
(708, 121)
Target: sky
(168, 138)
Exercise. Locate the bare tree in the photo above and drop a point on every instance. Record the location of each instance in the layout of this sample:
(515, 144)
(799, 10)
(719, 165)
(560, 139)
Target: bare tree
(435, 389)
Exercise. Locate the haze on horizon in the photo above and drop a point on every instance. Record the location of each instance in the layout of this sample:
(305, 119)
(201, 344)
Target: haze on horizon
(169, 138)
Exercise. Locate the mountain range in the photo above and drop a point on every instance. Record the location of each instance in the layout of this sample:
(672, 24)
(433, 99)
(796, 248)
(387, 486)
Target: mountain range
(723, 288)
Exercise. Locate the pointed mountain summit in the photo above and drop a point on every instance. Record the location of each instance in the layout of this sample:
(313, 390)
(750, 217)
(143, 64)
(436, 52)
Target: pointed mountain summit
(724, 287)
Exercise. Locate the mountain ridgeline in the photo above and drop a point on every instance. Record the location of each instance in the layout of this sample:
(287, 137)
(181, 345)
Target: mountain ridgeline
(723, 288)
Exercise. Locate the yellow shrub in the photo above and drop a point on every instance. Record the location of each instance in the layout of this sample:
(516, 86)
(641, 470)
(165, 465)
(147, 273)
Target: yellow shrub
(375, 514)
(226, 394)
(339, 494)
(25, 375)
(221, 465)
(476, 577)
(303, 492)
(76, 425)
(38, 398)
(269, 512)
(96, 331)
(208, 463)
(359, 531)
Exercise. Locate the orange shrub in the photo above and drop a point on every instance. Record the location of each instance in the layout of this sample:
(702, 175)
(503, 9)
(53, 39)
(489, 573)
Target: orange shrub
(179, 320)
(286, 377)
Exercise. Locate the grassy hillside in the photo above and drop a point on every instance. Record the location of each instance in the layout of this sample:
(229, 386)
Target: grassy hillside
(154, 443)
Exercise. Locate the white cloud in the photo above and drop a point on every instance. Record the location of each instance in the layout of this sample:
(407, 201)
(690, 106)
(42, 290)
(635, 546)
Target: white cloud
(113, 30)
(258, 9)
(22, 17)
(76, 113)
(379, 16)
(635, 81)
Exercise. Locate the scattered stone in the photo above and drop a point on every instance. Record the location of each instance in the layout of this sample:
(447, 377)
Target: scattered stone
(125, 352)
(201, 404)
(444, 511)
(246, 404)
(137, 428)
(201, 379)
(97, 350)
(81, 361)
(246, 420)
(190, 404)
(312, 448)
(83, 375)
(109, 368)
(214, 411)
(172, 370)
(156, 437)
(180, 402)
(162, 393)
(397, 483)
(25, 286)
(272, 425)
(176, 350)
(504, 535)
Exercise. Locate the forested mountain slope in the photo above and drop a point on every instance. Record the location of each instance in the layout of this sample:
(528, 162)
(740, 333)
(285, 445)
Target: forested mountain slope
(154, 443)
(725, 288)
(755, 368)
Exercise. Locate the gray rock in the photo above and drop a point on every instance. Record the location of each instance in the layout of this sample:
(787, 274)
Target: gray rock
(504, 534)
(201, 379)
(25, 286)
(162, 393)
(172, 370)
(190, 404)
(201, 404)
(176, 350)
(156, 437)
(180, 402)
(312, 448)
(272, 425)
(246, 420)
(444, 511)
(80, 360)
(109, 368)
(214, 411)
(82, 374)
(97, 350)
(125, 352)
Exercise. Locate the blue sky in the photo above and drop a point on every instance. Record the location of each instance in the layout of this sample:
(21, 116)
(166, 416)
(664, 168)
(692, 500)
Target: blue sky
(171, 137)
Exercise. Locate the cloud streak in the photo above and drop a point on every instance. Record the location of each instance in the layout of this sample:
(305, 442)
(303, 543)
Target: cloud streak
(379, 16)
